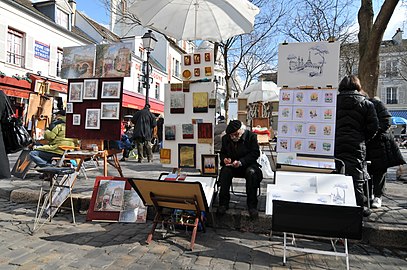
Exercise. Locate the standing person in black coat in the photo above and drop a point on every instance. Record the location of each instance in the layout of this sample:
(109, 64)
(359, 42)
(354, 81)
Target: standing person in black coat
(380, 154)
(238, 158)
(356, 123)
(144, 122)
(4, 162)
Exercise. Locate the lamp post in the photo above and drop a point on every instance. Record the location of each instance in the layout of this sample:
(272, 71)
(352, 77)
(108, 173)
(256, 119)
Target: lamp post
(149, 41)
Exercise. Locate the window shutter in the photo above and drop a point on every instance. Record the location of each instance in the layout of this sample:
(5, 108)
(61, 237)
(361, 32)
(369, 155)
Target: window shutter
(53, 61)
(29, 52)
(3, 40)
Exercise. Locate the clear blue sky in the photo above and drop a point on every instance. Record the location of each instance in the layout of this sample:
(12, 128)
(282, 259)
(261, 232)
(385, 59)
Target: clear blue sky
(94, 9)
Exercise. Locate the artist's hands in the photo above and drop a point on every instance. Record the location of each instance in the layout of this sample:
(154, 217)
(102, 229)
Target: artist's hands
(234, 164)
(227, 161)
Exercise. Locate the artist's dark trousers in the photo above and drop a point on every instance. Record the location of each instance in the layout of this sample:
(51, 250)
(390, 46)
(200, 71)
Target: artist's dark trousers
(377, 182)
(253, 176)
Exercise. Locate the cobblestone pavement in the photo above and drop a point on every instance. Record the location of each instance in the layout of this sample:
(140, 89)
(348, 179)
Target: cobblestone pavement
(90, 245)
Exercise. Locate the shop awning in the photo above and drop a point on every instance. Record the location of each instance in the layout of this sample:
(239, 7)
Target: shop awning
(15, 92)
(399, 113)
(137, 101)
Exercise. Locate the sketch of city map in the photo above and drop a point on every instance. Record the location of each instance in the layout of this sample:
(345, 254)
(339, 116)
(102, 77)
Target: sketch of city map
(313, 64)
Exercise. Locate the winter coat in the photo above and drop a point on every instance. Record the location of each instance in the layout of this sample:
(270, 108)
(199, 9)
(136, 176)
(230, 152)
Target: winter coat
(246, 150)
(376, 149)
(56, 138)
(144, 122)
(4, 162)
(356, 123)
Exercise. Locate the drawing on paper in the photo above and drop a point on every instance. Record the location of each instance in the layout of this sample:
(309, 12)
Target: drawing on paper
(313, 65)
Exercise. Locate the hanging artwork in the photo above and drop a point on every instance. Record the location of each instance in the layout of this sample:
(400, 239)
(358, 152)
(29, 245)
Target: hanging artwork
(75, 92)
(165, 156)
(177, 102)
(111, 89)
(187, 131)
(133, 208)
(212, 103)
(78, 62)
(113, 60)
(92, 120)
(200, 102)
(90, 89)
(76, 119)
(169, 132)
(205, 133)
(110, 110)
(209, 164)
(186, 155)
(69, 107)
(176, 87)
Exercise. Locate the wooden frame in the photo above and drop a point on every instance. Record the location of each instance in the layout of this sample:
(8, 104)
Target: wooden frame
(174, 195)
(210, 165)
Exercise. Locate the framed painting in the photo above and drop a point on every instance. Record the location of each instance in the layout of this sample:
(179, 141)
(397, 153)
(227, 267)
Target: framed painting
(90, 90)
(200, 102)
(187, 131)
(186, 155)
(197, 58)
(165, 156)
(207, 57)
(110, 196)
(69, 107)
(75, 92)
(110, 110)
(177, 102)
(169, 132)
(210, 164)
(92, 120)
(205, 133)
(133, 208)
(76, 119)
(187, 60)
(111, 89)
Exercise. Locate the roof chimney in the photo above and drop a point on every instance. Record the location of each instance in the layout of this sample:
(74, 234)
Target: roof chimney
(72, 3)
(398, 37)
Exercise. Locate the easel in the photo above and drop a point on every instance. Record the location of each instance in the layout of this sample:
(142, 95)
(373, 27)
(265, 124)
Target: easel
(174, 195)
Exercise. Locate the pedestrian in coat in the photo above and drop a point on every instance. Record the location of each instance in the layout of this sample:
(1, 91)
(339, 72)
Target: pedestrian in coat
(356, 123)
(144, 122)
(4, 162)
(238, 158)
(380, 153)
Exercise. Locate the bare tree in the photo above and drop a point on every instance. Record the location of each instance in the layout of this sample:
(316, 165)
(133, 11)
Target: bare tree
(370, 37)
(250, 54)
(316, 20)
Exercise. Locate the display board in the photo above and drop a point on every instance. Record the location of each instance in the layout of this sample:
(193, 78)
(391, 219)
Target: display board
(317, 188)
(189, 123)
(197, 66)
(93, 108)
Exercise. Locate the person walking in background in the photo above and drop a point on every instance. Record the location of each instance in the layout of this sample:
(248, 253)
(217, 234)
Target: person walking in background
(160, 130)
(356, 123)
(238, 158)
(127, 140)
(144, 122)
(219, 131)
(4, 162)
(55, 135)
(380, 154)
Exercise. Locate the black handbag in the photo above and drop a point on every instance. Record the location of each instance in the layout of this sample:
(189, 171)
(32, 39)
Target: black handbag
(15, 136)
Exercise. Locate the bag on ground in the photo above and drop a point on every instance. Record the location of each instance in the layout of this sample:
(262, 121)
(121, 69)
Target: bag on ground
(264, 161)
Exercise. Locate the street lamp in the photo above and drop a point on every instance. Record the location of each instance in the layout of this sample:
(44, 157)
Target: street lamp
(149, 41)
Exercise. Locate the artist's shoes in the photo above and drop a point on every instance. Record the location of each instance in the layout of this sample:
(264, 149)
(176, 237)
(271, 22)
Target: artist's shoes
(139, 161)
(123, 159)
(222, 209)
(377, 202)
(366, 212)
(253, 213)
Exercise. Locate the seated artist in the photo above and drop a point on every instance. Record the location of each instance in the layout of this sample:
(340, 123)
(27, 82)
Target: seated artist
(55, 135)
(238, 158)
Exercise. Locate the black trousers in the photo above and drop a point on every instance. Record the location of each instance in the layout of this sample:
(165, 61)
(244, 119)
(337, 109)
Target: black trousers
(377, 181)
(253, 176)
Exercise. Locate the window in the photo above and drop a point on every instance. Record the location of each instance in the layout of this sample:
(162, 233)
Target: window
(391, 68)
(62, 19)
(157, 91)
(141, 52)
(391, 95)
(60, 54)
(140, 83)
(15, 52)
(176, 69)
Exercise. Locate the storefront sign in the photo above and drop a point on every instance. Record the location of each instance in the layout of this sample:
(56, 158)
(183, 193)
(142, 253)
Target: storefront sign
(41, 51)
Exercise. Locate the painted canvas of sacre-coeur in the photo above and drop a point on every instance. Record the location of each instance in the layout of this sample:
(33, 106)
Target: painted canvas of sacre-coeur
(314, 64)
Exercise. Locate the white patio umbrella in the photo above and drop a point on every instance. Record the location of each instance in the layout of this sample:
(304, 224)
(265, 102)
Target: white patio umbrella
(263, 91)
(213, 20)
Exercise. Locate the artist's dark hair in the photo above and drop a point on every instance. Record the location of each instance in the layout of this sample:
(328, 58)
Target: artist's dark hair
(350, 82)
